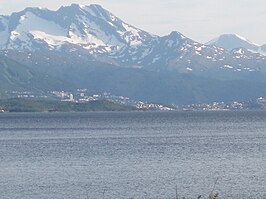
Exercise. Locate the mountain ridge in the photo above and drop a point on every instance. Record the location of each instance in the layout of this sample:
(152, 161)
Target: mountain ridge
(97, 33)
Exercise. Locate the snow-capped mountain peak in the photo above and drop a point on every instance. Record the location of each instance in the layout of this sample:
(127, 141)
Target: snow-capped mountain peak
(90, 27)
(231, 41)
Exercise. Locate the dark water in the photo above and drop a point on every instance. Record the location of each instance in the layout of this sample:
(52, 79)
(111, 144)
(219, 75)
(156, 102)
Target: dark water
(132, 155)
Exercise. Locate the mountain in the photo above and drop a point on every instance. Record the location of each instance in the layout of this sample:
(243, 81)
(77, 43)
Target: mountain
(232, 41)
(90, 27)
(89, 47)
(93, 33)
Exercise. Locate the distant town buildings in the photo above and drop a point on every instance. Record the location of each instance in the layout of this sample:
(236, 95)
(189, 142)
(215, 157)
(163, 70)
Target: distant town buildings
(24, 94)
(83, 96)
(261, 100)
(215, 106)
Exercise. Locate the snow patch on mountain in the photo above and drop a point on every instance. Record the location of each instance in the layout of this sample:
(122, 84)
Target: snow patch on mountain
(30, 23)
(228, 66)
(30, 26)
(94, 35)
(132, 35)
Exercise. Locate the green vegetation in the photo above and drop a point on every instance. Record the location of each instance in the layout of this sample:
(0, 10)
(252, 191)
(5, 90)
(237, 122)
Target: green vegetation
(44, 105)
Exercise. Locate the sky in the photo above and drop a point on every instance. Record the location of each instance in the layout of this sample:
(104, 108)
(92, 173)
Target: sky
(201, 20)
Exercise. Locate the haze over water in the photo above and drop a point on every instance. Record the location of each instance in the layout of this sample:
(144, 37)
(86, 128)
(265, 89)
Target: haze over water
(132, 155)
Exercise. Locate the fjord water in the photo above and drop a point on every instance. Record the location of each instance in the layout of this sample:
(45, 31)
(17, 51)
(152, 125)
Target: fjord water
(132, 155)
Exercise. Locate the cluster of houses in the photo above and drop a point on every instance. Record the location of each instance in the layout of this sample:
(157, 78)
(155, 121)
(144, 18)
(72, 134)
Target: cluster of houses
(82, 96)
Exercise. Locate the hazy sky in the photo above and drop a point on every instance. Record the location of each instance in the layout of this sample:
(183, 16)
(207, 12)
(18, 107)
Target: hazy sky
(200, 20)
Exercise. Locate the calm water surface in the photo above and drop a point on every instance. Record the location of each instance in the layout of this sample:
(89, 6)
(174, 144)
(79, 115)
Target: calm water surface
(132, 155)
